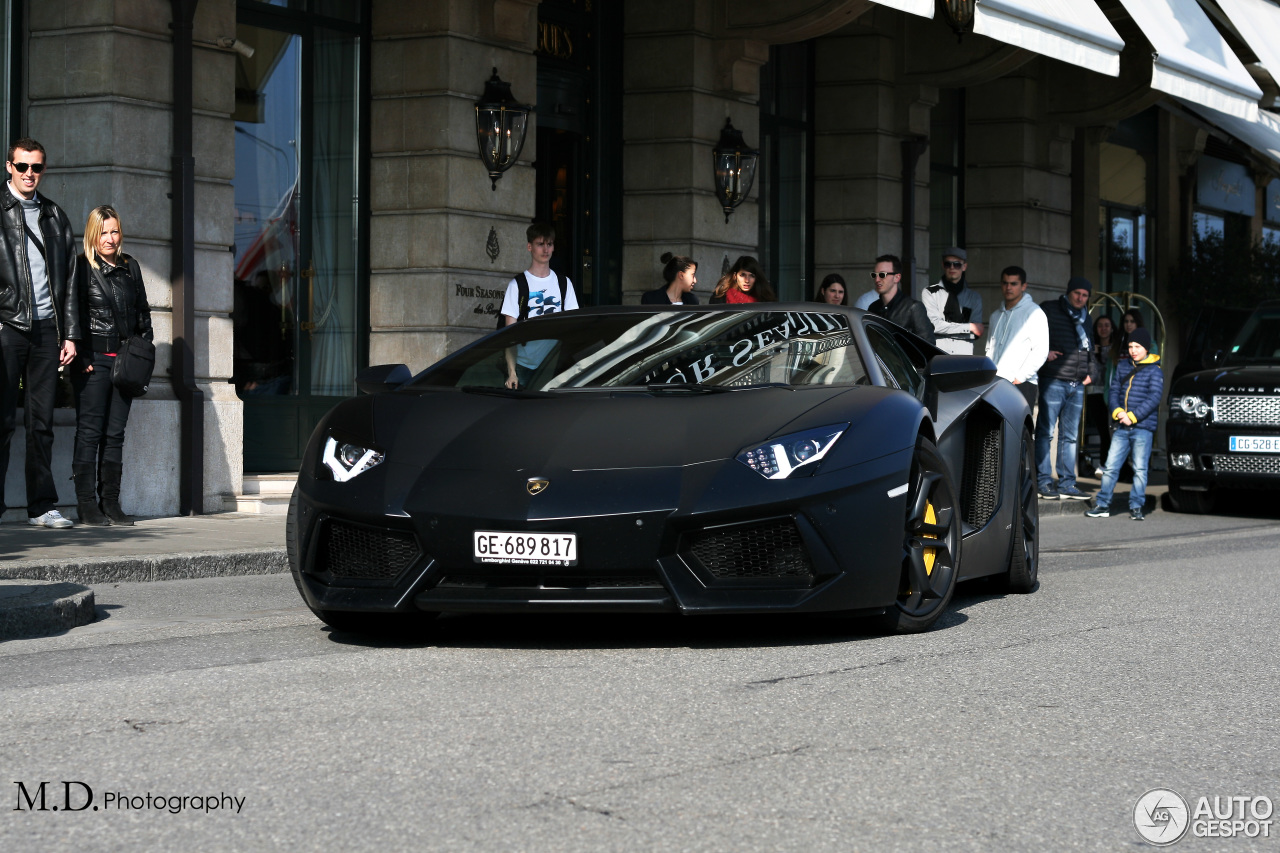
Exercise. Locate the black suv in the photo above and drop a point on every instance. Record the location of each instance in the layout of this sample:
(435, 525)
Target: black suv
(1224, 423)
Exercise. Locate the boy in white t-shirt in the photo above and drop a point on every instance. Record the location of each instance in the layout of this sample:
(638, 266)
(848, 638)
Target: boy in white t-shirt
(546, 296)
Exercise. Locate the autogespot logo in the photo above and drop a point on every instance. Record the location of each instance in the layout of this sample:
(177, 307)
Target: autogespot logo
(1161, 817)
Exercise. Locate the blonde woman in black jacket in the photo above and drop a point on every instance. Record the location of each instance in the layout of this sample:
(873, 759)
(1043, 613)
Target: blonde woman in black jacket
(113, 305)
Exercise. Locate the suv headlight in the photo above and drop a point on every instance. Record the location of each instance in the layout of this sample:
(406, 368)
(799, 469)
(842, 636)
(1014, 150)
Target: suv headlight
(1193, 405)
(780, 458)
(348, 460)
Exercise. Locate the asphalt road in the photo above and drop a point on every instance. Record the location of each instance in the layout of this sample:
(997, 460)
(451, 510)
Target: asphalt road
(1146, 659)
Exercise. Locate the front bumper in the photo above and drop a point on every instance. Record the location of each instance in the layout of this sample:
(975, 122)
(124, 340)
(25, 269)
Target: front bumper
(820, 544)
(1200, 457)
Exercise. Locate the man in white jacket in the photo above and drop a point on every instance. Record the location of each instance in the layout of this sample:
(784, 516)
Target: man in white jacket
(953, 308)
(1019, 335)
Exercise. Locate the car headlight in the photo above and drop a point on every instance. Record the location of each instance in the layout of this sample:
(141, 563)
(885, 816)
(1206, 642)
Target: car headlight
(1193, 405)
(780, 458)
(347, 460)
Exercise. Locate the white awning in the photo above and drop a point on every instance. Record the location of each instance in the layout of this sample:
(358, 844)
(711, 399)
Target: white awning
(1192, 60)
(1262, 133)
(1074, 31)
(923, 8)
(1258, 23)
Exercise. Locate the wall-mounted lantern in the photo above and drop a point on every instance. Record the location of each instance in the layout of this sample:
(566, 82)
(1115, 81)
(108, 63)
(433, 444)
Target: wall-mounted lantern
(735, 168)
(959, 15)
(501, 123)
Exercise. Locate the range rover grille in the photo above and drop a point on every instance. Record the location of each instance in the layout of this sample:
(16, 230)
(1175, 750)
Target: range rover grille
(1247, 463)
(1246, 411)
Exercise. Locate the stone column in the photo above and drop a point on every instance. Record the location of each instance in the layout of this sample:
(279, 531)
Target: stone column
(680, 84)
(101, 96)
(443, 244)
(863, 113)
(1018, 189)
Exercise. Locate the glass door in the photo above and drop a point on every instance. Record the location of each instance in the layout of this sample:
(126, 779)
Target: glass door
(298, 307)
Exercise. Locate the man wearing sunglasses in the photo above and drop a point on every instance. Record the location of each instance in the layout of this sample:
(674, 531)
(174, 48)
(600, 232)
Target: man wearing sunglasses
(894, 304)
(953, 308)
(39, 321)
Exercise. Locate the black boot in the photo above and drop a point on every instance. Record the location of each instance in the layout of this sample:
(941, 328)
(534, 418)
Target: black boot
(86, 501)
(111, 472)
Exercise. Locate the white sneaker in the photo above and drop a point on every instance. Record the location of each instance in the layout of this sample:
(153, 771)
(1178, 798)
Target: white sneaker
(52, 518)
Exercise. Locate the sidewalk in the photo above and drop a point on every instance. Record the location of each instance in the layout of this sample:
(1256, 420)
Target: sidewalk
(44, 573)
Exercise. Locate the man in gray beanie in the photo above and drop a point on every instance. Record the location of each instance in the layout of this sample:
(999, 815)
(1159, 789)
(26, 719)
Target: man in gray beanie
(1070, 367)
(954, 310)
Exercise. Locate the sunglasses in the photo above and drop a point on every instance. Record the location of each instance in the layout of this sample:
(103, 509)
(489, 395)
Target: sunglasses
(953, 265)
(876, 275)
(22, 167)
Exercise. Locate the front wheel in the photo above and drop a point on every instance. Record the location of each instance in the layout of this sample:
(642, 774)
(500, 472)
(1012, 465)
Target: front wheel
(1024, 559)
(930, 546)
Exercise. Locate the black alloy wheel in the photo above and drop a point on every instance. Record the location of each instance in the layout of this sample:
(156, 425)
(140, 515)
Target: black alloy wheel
(930, 545)
(1024, 559)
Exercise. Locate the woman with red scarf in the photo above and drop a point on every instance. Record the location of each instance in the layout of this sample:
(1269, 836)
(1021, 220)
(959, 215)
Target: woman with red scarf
(745, 282)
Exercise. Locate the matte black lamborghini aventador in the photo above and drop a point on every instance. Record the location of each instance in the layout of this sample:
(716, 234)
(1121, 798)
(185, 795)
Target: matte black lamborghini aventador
(762, 458)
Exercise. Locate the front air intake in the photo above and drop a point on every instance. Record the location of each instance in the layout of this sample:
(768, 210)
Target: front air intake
(354, 551)
(761, 550)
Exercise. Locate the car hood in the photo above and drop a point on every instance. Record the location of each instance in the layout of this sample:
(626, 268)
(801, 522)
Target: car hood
(1251, 379)
(582, 432)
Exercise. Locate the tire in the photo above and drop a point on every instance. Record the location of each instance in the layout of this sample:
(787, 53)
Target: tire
(1196, 503)
(928, 572)
(1024, 555)
(387, 625)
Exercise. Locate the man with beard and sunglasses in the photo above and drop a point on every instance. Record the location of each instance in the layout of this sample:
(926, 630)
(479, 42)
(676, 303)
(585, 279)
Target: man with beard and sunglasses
(39, 322)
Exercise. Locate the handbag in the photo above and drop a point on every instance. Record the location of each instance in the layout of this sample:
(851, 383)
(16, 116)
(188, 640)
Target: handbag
(136, 358)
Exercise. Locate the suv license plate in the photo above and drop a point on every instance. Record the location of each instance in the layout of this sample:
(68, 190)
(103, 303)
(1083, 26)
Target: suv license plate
(529, 549)
(1255, 443)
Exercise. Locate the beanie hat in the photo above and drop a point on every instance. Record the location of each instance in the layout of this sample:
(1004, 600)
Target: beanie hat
(1141, 337)
(1079, 282)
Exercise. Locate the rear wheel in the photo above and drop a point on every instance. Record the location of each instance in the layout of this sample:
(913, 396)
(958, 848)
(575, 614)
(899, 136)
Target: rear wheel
(1183, 500)
(1024, 561)
(930, 546)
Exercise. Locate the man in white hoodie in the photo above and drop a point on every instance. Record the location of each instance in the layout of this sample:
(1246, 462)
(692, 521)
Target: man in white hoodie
(1019, 335)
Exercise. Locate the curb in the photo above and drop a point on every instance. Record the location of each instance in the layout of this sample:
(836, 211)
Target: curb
(200, 564)
(39, 608)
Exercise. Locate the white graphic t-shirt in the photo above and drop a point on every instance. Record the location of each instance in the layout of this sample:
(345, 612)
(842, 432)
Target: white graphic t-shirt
(545, 297)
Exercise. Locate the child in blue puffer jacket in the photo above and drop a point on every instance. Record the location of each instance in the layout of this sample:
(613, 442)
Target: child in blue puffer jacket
(1135, 395)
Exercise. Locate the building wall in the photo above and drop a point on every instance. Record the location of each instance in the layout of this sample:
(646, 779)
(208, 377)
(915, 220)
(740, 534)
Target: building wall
(432, 210)
(100, 100)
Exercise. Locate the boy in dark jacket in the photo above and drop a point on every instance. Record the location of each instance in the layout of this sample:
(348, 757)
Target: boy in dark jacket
(1135, 395)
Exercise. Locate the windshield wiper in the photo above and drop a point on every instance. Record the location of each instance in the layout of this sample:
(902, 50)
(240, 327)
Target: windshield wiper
(503, 391)
(688, 386)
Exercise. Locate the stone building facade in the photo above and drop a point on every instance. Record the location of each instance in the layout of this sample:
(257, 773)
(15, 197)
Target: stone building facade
(340, 202)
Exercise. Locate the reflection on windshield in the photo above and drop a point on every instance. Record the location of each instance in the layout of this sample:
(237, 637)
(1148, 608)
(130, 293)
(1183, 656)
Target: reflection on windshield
(1259, 340)
(715, 348)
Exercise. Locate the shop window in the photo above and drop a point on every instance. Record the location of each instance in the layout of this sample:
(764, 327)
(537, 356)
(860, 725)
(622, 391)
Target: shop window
(785, 173)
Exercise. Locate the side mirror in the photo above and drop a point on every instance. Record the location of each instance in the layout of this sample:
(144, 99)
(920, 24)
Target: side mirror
(381, 378)
(958, 372)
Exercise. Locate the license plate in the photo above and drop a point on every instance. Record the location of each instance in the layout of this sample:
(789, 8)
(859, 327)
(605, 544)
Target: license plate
(1255, 443)
(528, 549)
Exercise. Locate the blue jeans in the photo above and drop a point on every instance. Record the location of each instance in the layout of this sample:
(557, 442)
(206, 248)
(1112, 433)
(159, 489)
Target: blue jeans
(1060, 407)
(1123, 440)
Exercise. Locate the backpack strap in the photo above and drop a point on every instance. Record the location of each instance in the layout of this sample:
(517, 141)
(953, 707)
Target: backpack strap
(522, 294)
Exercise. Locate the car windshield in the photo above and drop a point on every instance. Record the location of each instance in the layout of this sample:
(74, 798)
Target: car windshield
(1259, 340)
(720, 349)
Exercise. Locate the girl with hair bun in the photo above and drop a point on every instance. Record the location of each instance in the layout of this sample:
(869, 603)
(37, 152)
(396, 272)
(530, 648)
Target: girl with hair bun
(680, 274)
(745, 282)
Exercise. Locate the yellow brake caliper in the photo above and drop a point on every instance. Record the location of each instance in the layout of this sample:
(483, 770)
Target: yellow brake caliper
(930, 554)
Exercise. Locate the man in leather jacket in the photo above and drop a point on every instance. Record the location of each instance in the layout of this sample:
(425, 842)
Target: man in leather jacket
(39, 321)
(894, 304)
(1063, 377)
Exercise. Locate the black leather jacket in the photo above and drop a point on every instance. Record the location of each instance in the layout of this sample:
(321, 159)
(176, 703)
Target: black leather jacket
(127, 300)
(16, 293)
(907, 313)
